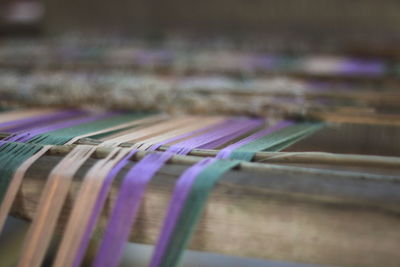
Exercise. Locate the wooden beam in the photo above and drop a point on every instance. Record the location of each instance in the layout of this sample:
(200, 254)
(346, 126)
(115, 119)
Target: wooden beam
(306, 158)
(102, 152)
(280, 215)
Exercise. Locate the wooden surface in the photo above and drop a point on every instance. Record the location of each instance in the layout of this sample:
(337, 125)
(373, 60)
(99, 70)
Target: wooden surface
(278, 215)
(347, 138)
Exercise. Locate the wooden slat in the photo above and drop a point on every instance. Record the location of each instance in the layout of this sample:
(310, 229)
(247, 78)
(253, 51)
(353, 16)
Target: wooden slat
(302, 217)
(308, 158)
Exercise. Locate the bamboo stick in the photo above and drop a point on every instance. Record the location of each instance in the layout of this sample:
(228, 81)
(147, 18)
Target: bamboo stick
(275, 157)
(102, 152)
(295, 157)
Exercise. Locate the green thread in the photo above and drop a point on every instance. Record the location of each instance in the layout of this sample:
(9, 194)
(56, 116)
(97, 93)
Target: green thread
(194, 206)
(206, 180)
(11, 157)
(62, 136)
(276, 141)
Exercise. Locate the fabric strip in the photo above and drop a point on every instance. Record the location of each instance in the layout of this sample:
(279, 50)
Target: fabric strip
(126, 208)
(193, 208)
(9, 118)
(65, 134)
(16, 183)
(179, 196)
(85, 202)
(135, 183)
(99, 204)
(12, 155)
(24, 137)
(226, 152)
(50, 204)
(182, 188)
(95, 213)
(276, 140)
(26, 123)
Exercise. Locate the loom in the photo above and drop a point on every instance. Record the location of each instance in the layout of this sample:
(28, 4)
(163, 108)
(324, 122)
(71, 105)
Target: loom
(263, 150)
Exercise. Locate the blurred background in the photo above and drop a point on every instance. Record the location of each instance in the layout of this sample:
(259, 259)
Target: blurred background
(53, 44)
(358, 24)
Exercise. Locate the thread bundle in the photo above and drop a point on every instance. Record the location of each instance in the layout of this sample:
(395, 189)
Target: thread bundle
(32, 136)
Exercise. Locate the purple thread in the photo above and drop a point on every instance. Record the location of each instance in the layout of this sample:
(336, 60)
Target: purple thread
(179, 196)
(226, 152)
(354, 67)
(184, 185)
(135, 183)
(106, 186)
(250, 126)
(266, 62)
(219, 136)
(24, 137)
(101, 198)
(126, 207)
(26, 123)
(211, 127)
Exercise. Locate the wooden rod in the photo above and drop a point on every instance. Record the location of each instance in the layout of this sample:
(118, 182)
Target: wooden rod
(314, 158)
(282, 157)
(295, 157)
(102, 152)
